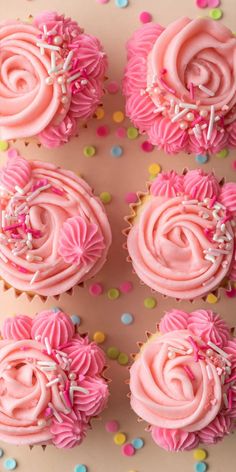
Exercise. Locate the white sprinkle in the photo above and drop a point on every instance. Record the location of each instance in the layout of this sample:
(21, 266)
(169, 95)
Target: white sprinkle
(52, 382)
(45, 30)
(48, 46)
(38, 337)
(218, 206)
(204, 126)
(225, 108)
(205, 216)
(176, 109)
(211, 123)
(228, 236)
(55, 413)
(35, 276)
(18, 252)
(73, 77)
(217, 118)
(210, 258)
(32, 258)
(37, 192)
(21, 208)
(189, 106)
(19, 190)
(217, 251)
(179, 115)
(48, 347)
(225, 399)
(217, 349)
(209, 371)
(79, 389)
(224, 264)
(67, 62)
(215, 214)
(4, 259)
(53, 59)
(63, 354)
(29, 236)
(189, 202)
(218, 239)
(159, 110)
(206, 90)
(47, 363)
(3, 218)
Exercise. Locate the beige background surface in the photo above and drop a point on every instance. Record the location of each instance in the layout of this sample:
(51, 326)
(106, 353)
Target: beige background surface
(117, 176)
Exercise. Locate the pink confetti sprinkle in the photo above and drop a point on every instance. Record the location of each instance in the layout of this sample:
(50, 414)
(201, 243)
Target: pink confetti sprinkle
(234, 165)
(147, 147)
(102, 131)
(202, 3)
(128, 450)
(56, 190)
(12, 153)
(113, 87)
(145, 17)
(48, 412)
(231, 293)
(96, 289)
(102, 2)
(126, 287)
(131, 197)
(121, 132)
(112, 426)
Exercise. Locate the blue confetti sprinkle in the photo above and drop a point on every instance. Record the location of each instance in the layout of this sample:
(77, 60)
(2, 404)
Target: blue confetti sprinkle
(75, 319)
(56, 309)
(80, 468)
(10, 464)
(122, 3)
(201, 159)
(116, 151)
(138, 443)
(127, 318)
(200, 467)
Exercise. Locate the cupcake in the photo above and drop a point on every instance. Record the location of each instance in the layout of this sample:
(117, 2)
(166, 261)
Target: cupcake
(54, 232)
(180, 87)
(183, 380)
(52, 76)
(181, 235)
(51, 383)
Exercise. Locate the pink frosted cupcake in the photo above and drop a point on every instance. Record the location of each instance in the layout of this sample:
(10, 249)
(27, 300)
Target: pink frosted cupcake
(54, 232)
(183, 380)
(180, 85)
(52, 76)
(181, 235)
(52, 381)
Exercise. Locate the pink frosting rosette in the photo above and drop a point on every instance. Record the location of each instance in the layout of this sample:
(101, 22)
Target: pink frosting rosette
(52, 76)
(181, 242)
(179, 85)
(55, 233)
(182, 383)
(43, 400)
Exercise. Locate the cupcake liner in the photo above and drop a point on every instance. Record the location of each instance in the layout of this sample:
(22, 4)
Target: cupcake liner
(225, 285)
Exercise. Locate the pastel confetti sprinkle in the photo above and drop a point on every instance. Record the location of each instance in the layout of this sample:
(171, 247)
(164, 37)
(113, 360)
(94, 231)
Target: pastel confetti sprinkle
(202, 3)
(102, 131)
(145, 17)
(121, 132)
(99, 113)
(4, 146)
(113, 293)
(126, 287)
(132, 133)
(216, 14)
(199, 454)
(127, 318)
(123, 358)
(223, 153)
(105, 197)
(150, 302)
(231, 293)
(128, 450)
(234, 165)
(119, 439)
(113, 353)
(122, 3)
(112, 426)
(201, 158)
(99, 337)
(56, 309)
(103, 3)
(81, 468)
(211, 298)
(96, 289)
(214, 3)
(147, 147)
(10, 464)
(131, 197)
(138, 443)
(154, 169)
(200, 467)
(89, 151)
(116, 151)
(118, 116)
(113, 87)
(12, 153)
(75, 320)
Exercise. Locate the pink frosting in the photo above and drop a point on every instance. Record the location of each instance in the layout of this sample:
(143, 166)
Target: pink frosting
(174, 439)
(81, 242)
(200, 185)
(94, 402)
(167, 184)
(42, 399)
(188, 62)
(17, 171)
(42, 105)
(209, 326)
(228, 196)
(56, 326)
(17, 328)
(87, 358)
(65, 198)
(174, 319)
(213, 433)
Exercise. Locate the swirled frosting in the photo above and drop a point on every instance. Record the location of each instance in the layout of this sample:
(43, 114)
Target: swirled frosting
(182, 242)
(180, 85)
(181, 382)
(42, 399)
(55, 233)
(52, 76)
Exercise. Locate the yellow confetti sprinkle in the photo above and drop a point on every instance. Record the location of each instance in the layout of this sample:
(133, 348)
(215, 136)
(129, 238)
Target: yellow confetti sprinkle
(132, 133)
(119, 439)
(100, 113)
(89, 151)
(105, 197)
(118, 116)
(4, 146)
(113, 293)
(99, 337)
(199, 454)
(154, 169)
(211, 298)
(223, 153)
